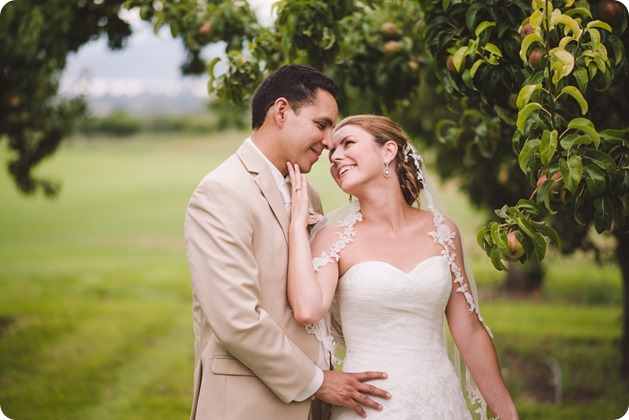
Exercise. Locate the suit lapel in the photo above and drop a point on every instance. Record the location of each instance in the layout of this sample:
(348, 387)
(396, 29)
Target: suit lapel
(262, 176)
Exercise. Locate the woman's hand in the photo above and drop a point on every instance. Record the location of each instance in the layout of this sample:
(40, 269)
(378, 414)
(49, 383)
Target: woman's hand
(300, 203)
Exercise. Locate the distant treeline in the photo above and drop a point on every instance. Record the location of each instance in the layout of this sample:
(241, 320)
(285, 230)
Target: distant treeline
(120, 123)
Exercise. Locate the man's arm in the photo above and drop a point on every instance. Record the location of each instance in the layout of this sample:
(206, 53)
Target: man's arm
(219, 232)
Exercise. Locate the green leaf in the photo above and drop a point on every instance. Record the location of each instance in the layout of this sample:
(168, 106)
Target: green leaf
(548, 146)
(594, 179)
(617, 47)
(482, 27)
(577, 95)
(524, 96)
(599, 24)
(467, 79)
(493, 49)
(581, 75)
(538, 240)
(529, 40)
(566, 40)
(458, 57)
(586, 126)
(561, 62)
(499, 236)
(495, 259)
(524, 113)
(528, 205)
(549, 232)
(210, 69)
(537, 18)
(484, 239)
(475, 66)
(568, 22)
(472, 12)
(174, 29)
(602, 214)
(571, 171)
(527, 152)
(573, 139)
(579, 11)
(447, 131)
(602, 160)
(506, 114)
(615, 135)
(502, 212)
(544, 193)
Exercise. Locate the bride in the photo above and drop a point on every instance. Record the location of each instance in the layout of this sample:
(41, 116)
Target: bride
(389, 271)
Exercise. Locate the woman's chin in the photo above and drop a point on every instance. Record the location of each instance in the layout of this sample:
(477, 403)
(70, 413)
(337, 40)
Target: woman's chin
(346, 190)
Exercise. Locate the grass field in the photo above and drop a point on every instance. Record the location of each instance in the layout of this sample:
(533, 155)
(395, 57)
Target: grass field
(95, 308)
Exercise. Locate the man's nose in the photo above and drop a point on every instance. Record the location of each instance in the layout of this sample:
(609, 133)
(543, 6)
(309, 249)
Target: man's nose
(327, 140)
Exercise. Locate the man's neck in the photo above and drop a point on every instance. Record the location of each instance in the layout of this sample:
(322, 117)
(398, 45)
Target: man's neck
(265, 145)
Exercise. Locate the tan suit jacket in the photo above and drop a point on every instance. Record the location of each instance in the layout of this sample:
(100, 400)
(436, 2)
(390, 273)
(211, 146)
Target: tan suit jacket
(251, 357)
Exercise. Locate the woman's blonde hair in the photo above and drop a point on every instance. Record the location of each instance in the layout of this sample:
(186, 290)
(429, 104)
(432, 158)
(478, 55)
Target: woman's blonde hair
(384, 130)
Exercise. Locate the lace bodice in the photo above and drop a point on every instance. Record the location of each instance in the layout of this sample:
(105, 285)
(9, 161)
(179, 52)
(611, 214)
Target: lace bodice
(393, 321)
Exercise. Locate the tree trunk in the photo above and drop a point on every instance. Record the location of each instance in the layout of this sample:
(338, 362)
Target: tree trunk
(524, 278)
(622, 254)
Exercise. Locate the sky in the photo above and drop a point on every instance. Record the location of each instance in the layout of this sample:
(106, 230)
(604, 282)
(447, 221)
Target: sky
(149, 64)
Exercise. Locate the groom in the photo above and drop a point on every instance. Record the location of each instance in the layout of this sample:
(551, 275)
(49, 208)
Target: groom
(253, 360)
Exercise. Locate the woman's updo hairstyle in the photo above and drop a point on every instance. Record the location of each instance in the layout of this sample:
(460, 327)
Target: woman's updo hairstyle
(384, 130)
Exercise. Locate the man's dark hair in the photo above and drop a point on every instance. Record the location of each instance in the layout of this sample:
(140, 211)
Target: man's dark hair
(295, 82)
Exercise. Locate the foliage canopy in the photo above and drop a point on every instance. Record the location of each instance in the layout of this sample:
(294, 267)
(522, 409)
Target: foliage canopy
(524, 102)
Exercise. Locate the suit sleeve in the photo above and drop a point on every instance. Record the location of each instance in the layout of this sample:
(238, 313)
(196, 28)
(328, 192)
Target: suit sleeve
(219, 227)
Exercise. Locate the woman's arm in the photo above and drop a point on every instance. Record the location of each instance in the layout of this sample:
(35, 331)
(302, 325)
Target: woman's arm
(310, 294)
(477, 348)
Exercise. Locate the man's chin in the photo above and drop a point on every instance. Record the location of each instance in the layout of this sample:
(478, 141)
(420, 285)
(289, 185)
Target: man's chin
(306, 167)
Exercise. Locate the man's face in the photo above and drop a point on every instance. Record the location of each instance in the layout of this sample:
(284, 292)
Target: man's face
(309, 131)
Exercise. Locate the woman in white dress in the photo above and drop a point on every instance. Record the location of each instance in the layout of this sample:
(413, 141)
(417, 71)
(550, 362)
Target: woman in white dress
(392, 271)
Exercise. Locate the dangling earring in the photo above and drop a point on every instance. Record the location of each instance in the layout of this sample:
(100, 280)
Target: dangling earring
(387, 171)
(350, 198)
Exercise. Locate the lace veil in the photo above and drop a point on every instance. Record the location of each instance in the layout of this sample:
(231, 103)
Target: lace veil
(329, 330)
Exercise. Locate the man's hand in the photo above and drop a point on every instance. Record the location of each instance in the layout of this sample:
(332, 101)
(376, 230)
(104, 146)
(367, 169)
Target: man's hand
(350, 390)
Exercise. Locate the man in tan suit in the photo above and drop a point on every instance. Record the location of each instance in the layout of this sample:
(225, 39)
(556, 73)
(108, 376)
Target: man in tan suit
(252, 359)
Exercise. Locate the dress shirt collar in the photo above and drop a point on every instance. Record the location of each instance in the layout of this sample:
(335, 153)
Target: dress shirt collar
(277, 175)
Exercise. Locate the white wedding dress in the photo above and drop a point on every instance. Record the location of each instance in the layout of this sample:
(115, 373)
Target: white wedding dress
(392, 321)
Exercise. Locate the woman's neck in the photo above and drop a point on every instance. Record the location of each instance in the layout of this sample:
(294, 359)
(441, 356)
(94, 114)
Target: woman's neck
(389, 212)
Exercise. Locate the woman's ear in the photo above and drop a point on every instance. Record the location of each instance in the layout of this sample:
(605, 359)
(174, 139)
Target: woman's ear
(390, 150)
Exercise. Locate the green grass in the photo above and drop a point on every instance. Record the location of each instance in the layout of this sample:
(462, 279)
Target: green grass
(95, 308)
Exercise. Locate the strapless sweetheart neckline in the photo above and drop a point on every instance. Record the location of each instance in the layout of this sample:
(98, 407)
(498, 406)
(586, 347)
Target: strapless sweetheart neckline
(384, 263)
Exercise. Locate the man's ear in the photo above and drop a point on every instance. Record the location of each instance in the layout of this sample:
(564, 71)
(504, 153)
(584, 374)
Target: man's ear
(280, 109)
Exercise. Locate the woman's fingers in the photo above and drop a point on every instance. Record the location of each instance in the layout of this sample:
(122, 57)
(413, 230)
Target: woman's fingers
(297, 179)
(299, 194)
(297, 182)
(291, 172)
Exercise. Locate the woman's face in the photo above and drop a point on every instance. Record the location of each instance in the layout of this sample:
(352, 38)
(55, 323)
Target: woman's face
(356, 159)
